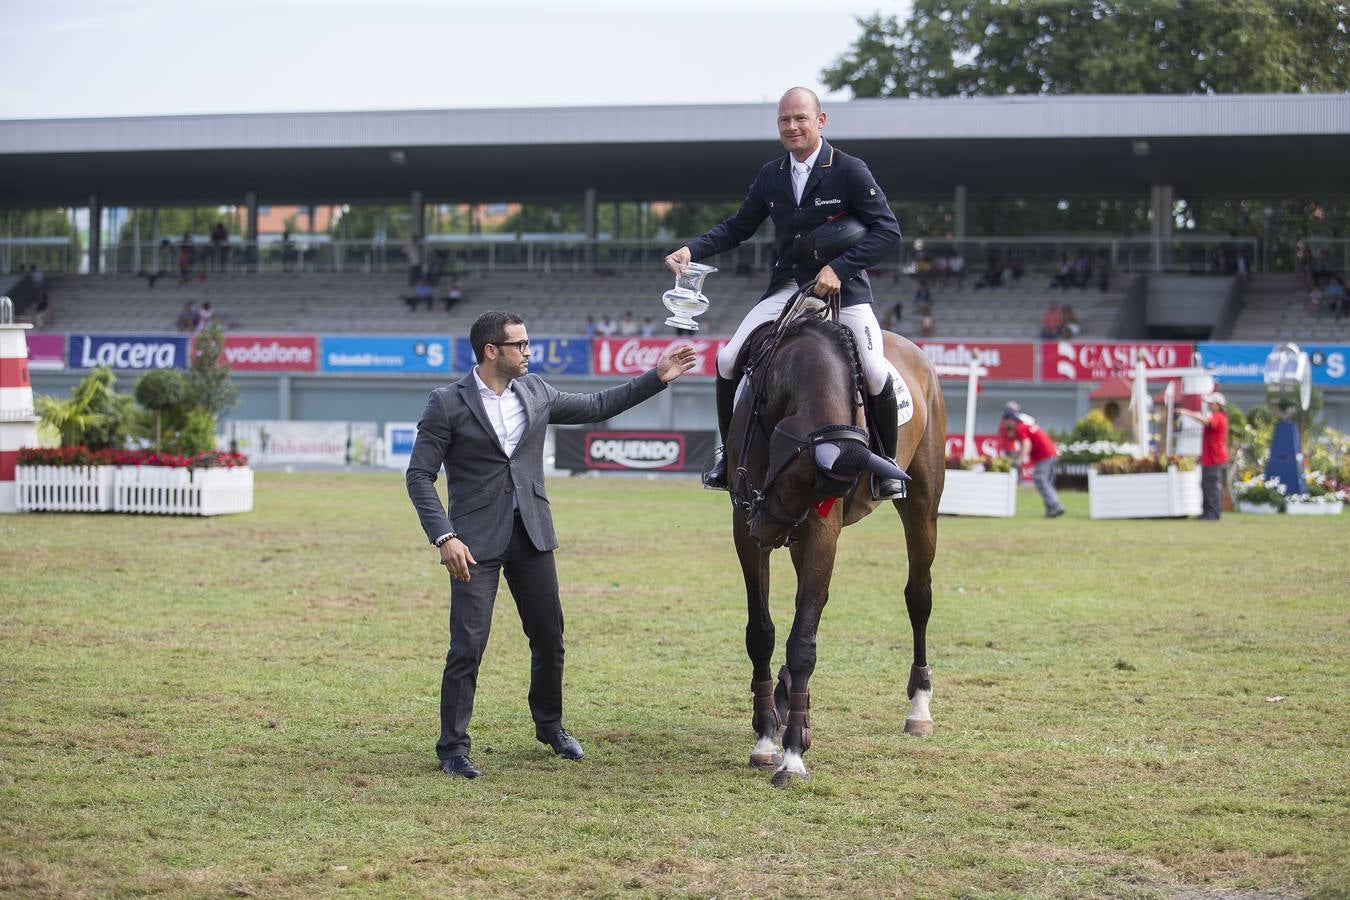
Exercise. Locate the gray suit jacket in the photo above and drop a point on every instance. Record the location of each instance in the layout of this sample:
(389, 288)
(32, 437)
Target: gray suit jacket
(455, 433)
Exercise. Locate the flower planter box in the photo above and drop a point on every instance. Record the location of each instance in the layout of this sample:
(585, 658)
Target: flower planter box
(1315, 509)
(135, 489)
(1153, 495)
(64, 488)
(971, 493)
(1260, 509)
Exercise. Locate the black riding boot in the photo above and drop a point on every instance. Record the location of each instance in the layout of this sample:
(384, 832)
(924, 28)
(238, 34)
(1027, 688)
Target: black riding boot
(885, 415)
(715, 479)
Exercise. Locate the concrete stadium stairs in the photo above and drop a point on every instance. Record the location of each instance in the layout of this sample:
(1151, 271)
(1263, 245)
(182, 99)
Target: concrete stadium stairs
(1275, 309)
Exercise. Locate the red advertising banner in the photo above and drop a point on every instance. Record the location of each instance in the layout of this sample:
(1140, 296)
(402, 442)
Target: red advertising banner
(272, 352)
(985, 444)
(1071, 361)
(46, 351)
(635, 355)
(1005, 360)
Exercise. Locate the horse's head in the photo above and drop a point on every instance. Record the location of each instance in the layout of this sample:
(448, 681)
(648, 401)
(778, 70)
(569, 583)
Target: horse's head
(814, 448)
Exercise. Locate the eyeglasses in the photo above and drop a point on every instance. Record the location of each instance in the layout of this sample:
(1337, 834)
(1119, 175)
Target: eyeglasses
(521, 345)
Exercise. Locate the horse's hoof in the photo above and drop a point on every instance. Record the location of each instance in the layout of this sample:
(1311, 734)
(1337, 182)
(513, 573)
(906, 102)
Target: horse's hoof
(766, 761)
(784, 777)
(919, 727)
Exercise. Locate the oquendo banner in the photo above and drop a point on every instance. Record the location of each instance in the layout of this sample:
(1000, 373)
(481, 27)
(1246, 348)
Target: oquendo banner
(582, 449)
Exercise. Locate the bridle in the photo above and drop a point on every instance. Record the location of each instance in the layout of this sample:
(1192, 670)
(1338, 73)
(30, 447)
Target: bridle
(745, 495)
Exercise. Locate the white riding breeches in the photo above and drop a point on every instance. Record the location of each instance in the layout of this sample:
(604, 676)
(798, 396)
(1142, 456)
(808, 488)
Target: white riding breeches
(860, 319)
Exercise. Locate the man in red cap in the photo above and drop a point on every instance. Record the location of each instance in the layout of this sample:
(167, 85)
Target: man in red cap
(1030, 443)
(1213, 452)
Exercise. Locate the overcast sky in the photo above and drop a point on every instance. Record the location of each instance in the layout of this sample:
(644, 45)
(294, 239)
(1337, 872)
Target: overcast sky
(156, 57)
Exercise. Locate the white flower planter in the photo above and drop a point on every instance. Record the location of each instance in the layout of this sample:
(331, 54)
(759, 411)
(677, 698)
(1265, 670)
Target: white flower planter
(1260, 509)
(1315, 509)
(1153, 495)
(64, 488)
(970, 493)
(134, 489)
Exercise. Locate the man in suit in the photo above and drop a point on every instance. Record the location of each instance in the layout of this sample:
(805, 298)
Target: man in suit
(801, 191)
(487, 431)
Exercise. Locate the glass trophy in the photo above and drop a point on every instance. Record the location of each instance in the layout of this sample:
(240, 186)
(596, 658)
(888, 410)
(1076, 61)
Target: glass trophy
(686, 299)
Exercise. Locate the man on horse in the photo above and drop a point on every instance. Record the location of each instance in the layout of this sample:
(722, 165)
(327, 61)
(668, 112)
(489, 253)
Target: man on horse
(812, 185)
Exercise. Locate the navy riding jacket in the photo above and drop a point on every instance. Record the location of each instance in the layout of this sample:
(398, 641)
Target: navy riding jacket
(838, 184)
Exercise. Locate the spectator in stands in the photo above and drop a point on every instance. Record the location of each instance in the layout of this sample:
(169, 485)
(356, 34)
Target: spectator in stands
(1082, 269)
(204, 317)
(923, 268)
(1303, 267)
(606, 326)
(1323, 271)
(39, 281)
(890, 319)
(423, 292)
(187, 317)
(220, 246)
(453, 294)
(412, 255)
(1336, 299)
(926, 321)
(435, 266)
(992, 271)
(1063, 275)
(1026, 442)
(648, 327)
(590, 329)
(1052, 322)
(1101, 273)
(956, 264)
(628, 326)
(1071, 326)
(922, 296)
(187, 256)
(288, 254)
(941, 273)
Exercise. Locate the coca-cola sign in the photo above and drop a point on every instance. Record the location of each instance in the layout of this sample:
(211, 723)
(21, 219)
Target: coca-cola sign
(1005, 360)
(1068, 361)
(634, 355)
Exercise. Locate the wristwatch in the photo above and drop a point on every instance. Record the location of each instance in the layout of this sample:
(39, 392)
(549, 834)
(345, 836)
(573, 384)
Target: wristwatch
(449, 537)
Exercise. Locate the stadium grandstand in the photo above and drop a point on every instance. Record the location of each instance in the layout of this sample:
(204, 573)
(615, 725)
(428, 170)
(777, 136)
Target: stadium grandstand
(1167, 285)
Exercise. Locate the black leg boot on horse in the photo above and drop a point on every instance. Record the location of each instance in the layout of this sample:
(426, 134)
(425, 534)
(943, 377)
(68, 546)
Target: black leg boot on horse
(715, 479)
(885, 416)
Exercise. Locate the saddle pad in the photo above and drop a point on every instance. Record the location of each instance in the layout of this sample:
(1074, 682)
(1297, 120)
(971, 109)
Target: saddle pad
(904, 403)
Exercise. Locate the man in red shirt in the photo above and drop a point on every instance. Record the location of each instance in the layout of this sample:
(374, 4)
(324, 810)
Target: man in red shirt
(1213, 452)
(1030, 443)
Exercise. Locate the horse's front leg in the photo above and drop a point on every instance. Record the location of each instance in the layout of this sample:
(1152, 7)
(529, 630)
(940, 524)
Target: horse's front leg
(813, 558)
(759, 643)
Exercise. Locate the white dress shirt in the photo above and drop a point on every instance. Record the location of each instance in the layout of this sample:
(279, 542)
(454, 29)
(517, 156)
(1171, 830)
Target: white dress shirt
(801, 171)
(506, 412)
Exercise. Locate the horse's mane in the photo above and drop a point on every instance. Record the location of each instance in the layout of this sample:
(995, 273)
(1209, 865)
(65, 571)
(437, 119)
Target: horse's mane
(840, 333)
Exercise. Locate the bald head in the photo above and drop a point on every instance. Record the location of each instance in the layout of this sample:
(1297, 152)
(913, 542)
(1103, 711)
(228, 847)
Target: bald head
(801, 94)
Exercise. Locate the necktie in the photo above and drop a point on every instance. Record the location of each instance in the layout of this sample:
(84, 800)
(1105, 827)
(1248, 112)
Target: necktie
(799, 173)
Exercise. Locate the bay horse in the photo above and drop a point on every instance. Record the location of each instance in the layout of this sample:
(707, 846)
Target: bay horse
(796, 441)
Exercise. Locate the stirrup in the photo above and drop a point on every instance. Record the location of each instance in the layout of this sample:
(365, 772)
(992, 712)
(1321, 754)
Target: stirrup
(888, 488)
(715, 479)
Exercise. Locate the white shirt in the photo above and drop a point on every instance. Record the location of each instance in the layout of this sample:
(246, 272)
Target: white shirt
(801, 171)
(504, 411)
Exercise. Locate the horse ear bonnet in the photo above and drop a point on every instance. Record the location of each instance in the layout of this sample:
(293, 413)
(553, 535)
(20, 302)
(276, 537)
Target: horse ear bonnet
(832, 239)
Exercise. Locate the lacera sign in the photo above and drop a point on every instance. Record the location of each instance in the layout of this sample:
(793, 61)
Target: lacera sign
(272, 352)
(633, 356)
(1065, 361)
(127, 351)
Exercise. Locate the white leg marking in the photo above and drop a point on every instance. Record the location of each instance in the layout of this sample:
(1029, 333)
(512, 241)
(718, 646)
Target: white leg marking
(764, 747)
(792, 764)
(918, 708)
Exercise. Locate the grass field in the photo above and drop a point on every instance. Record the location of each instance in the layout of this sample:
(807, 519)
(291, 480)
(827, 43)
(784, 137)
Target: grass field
(247, 706)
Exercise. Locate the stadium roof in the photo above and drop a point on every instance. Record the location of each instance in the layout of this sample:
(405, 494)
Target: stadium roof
(1244, 144)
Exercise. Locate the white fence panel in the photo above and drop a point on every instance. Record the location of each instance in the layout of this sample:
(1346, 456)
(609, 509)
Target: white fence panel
(224, 490)
(65, 488)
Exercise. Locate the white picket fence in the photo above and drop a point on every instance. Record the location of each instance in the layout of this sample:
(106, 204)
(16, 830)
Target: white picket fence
(134, 489)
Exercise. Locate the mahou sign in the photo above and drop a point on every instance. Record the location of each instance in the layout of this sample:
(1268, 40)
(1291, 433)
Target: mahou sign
(1005, 360)
(272, 352)
(633, 356)
(1066, 361)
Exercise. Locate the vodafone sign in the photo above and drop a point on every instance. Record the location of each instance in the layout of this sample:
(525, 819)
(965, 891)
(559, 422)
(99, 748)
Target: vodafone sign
(1066, 361)
(272, 352)
(633, 356)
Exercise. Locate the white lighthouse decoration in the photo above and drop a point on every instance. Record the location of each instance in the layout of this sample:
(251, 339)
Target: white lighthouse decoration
(18, 422)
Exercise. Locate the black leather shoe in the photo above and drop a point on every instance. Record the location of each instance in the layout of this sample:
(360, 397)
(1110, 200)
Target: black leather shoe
(461, 766)
(563, 744)
(715, 479)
